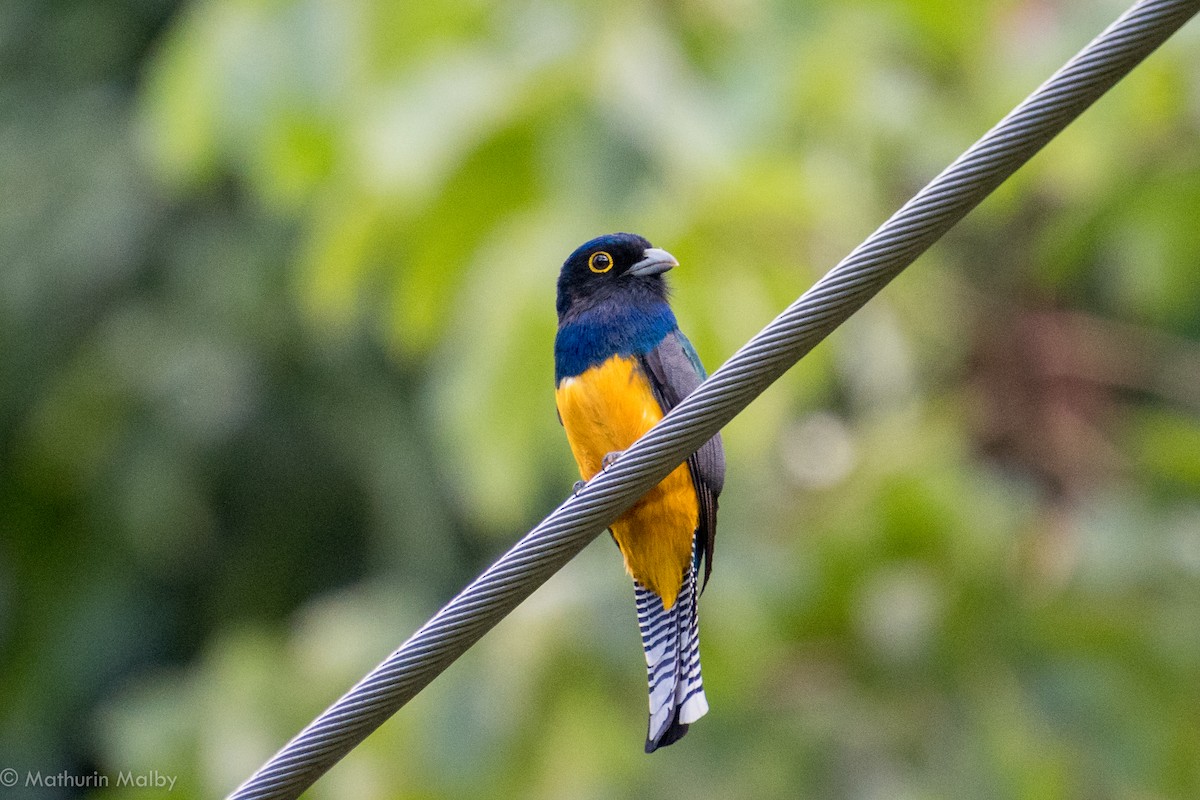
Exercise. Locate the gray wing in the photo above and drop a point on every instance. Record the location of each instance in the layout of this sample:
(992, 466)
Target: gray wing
(675, 371)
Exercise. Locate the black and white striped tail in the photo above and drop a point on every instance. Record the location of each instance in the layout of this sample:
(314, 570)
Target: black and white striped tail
(671, 639)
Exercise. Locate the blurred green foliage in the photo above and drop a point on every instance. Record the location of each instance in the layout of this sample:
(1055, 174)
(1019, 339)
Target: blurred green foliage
(276, 316)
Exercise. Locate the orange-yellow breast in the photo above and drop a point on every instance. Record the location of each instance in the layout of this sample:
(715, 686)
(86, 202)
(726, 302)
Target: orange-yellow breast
(605, 410)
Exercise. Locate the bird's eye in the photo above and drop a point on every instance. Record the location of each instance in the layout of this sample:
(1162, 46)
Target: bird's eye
(600, 261)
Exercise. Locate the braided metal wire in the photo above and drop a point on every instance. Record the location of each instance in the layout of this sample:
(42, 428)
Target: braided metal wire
(891, 248)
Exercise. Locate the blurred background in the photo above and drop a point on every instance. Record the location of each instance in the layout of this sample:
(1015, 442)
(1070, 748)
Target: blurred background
(276, 319)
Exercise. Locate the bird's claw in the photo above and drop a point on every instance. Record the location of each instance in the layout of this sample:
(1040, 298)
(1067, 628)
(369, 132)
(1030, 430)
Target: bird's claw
(606, 462)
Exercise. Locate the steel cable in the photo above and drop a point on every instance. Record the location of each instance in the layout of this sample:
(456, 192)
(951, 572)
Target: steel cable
(841, 292)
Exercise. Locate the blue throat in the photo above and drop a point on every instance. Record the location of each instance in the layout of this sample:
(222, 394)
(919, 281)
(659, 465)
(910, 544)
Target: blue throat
(596, 335)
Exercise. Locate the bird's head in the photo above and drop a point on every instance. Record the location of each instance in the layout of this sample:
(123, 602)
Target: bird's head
(608, 266)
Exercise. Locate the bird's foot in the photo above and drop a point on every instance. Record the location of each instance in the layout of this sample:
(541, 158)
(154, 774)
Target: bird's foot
(610, 459)
(577, 488)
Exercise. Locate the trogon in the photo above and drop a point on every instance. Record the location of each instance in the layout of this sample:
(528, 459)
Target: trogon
(620, 364)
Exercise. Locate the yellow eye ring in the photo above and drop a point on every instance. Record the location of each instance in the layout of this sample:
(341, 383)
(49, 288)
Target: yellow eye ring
(600, 261)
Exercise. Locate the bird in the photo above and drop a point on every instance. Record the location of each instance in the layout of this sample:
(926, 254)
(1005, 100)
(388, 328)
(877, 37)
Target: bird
(620, 364)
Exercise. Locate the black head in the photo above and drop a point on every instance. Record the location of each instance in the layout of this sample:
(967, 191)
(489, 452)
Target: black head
(607, 265)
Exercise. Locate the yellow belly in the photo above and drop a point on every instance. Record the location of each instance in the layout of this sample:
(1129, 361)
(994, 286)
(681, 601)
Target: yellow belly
(605, 410)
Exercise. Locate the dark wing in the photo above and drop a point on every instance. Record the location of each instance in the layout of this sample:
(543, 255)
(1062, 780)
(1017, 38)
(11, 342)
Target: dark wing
(675, 371)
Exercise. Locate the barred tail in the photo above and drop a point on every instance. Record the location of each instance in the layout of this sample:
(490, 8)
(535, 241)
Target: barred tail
(671, 639)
